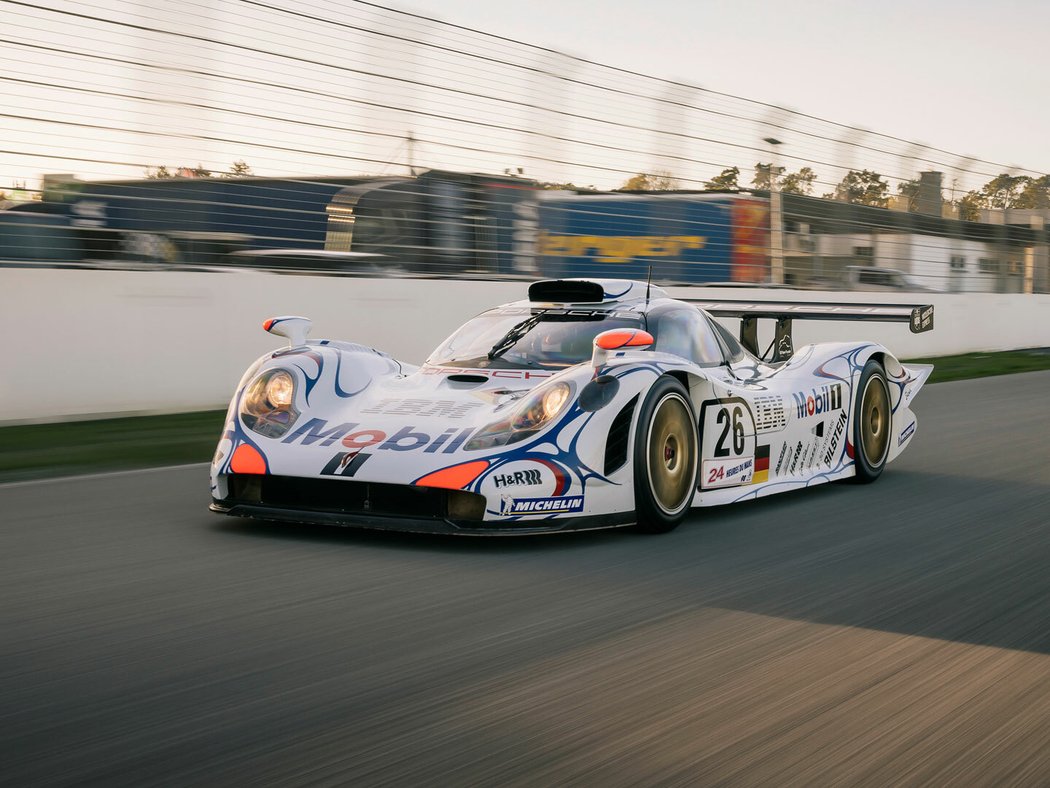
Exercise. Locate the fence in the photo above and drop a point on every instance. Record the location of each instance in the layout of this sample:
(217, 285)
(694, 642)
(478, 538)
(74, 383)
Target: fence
(335, 107)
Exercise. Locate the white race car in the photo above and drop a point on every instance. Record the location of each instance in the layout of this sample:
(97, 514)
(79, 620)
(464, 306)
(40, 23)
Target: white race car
(592, 404)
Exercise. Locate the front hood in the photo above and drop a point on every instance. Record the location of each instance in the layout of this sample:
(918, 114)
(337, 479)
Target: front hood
(430, 409)
(409, 420)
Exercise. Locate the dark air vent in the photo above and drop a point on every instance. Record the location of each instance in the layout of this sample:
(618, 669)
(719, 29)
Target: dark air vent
(338, 496)
(564, 291)
(619, 433)
(467, 378)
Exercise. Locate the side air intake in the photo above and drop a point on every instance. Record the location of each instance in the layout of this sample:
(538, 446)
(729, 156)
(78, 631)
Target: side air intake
(566, 291)
(619, 435)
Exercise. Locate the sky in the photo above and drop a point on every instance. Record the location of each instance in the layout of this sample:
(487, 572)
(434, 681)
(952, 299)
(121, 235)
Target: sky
(303, 87)
(969, 77)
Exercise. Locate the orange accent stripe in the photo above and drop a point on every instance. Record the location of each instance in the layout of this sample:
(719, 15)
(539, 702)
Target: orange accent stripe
(641, 338)
(455, 478)
(247, 459)
(628, 337)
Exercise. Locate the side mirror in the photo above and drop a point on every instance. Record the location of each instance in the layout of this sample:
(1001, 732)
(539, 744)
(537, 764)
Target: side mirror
(608, 342)
(296, 329)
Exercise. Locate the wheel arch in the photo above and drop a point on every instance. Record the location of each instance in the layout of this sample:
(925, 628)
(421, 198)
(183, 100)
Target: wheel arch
(651, 519)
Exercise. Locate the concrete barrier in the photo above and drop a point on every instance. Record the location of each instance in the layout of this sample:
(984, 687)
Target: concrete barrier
(81, 343)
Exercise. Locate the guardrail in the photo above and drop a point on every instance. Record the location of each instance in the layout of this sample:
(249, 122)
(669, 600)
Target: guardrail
(86, 342)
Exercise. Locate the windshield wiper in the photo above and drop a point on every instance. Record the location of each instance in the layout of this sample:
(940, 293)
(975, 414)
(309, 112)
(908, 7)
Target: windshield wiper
(508, 340)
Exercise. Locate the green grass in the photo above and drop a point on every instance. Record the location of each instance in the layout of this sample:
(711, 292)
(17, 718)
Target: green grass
(73, 447)
(980, 365)
(68, 448)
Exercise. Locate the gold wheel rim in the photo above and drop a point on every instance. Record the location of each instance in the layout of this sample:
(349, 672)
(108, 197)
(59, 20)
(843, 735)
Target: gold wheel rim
(671, 454)
(875, 421)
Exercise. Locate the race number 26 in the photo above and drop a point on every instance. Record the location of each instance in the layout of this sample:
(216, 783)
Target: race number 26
(728, 443)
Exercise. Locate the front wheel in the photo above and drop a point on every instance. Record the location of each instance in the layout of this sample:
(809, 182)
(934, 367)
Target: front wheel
(665, 458)
(872, 423)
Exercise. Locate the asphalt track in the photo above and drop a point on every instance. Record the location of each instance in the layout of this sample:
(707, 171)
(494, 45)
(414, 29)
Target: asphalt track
(898, 632)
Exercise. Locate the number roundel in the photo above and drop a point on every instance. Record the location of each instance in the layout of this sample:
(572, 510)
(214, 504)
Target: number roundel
(727, 443)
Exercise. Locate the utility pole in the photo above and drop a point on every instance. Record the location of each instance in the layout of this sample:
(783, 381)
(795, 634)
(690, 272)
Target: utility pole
(776, 218)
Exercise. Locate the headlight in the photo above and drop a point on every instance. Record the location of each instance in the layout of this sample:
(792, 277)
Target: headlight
(268, 404)
(541, 407)
(279, 390)
(536, 412)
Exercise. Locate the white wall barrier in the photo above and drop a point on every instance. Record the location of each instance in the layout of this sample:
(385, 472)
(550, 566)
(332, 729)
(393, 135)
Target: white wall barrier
(79, 343)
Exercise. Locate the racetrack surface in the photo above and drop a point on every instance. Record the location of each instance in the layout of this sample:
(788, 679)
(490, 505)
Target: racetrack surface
(862, 634)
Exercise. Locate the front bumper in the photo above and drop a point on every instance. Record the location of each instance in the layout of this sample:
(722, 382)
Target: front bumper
(388, 507)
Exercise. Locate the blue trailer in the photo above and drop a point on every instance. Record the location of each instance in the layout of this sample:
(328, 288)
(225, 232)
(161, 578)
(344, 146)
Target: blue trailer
(199, 220)
(438, 223)
(685, 237)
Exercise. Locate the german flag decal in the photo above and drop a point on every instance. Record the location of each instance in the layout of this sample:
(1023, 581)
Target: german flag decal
(761, 465)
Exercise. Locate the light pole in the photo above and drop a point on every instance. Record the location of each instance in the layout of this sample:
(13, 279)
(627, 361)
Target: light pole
(776, 218)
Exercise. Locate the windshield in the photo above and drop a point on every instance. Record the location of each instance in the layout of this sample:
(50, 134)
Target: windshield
(557, 339)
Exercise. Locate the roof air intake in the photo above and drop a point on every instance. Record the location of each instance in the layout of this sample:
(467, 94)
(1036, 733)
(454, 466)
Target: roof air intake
(566, 291)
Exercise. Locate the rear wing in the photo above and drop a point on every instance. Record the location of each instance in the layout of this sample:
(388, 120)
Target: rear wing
(919, 318)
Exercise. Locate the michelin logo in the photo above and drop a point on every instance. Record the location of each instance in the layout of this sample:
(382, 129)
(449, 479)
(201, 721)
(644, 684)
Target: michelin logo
(906, 433)
(563, 505)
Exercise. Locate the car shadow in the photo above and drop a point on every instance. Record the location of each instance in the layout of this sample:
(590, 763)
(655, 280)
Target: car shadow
(423, 542)
(923, 553)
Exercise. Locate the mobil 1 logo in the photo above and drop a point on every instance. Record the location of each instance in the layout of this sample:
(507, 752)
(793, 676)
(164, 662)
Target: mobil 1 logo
(727, 443)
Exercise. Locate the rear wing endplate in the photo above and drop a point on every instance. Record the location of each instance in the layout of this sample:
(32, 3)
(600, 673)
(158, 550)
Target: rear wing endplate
(918, 317)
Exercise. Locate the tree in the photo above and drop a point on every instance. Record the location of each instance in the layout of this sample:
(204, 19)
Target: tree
(1035, 193)
(239, 169)
(909, 190)
(969, 206)
(1003, 190)
(766, 176)
(567, 186)
(661, 181)
(800, 182)
(865, 187)
(158, 172)
(1006, 191)
(727, 179)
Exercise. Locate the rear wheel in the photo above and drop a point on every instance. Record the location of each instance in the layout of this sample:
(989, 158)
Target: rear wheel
(872, 424)
(665, 458)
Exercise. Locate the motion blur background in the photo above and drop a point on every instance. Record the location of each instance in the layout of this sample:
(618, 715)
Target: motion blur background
(223, 142)
(197, 133)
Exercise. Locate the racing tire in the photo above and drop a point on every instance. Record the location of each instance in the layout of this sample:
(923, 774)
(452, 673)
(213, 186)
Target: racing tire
(665, 458)
(872, 424)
